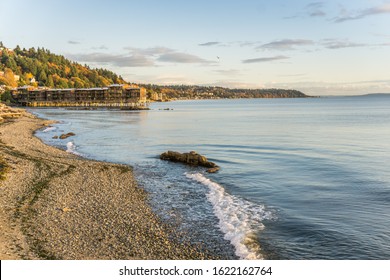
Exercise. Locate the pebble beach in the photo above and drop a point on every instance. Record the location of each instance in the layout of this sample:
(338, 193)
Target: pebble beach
(57, 205)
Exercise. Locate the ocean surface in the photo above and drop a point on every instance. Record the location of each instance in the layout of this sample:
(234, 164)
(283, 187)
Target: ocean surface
(299, 178)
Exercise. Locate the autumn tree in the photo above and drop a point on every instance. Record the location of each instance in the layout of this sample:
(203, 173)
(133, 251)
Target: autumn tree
(9, 77)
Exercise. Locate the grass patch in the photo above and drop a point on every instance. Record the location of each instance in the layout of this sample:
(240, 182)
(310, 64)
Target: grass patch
(3, 168)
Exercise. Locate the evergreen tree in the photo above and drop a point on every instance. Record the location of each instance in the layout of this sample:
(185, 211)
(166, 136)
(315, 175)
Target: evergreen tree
(42, 77)
(50, 82)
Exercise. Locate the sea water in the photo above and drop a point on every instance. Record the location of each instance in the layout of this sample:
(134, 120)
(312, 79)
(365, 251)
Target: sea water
(299, 178)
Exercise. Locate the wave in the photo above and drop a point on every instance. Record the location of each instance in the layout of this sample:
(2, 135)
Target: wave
(71, 148)
(50, 128)
(239, 220)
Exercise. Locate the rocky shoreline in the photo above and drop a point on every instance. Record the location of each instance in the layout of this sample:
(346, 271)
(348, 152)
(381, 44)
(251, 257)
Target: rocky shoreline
(56, 205)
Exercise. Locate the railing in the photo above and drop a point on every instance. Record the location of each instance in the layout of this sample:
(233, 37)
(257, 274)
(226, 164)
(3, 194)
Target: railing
(120, 105)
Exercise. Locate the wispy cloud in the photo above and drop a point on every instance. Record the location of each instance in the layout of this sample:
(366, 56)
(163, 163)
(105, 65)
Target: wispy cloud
(265, 59)
(73, 42)
(315, 9)
(228, 72)
(116, 60)
(317, 14)
(179, 57)
(163, 54)
(140, 57)
(345, 43)
(208, 44)
(341, 44)
(315, 5)
(285, 44)
(154, 51)
(248, 43)
(101, 47)
(382, 9)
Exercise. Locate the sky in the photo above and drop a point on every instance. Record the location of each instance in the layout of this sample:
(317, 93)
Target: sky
(329, 47)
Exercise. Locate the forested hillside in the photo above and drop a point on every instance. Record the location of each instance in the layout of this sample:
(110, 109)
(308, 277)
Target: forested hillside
(40, 67)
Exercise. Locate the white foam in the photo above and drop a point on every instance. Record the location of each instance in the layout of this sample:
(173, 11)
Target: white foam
(239, 220)
(71, 148)
(50, 128)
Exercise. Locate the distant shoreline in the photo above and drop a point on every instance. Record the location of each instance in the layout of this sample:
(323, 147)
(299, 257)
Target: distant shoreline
(56, 205)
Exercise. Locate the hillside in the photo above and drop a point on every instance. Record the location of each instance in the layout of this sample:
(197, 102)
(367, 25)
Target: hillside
(39, 67)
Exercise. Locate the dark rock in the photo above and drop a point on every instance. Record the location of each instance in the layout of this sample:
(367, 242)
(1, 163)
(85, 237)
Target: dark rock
(55, 137)
(64, 136)
(191, 158)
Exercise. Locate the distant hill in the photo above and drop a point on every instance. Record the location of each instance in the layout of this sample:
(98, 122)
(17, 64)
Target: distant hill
(211, 92)
(40, 67)
(375, 94)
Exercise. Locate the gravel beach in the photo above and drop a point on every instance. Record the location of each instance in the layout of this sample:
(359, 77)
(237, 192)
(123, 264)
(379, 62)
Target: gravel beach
(56, 205)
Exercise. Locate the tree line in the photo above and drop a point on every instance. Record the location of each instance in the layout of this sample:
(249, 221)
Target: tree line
(215, 92)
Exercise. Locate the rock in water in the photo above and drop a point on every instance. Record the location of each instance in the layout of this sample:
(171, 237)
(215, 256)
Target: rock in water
(64, 136)
(191, 158)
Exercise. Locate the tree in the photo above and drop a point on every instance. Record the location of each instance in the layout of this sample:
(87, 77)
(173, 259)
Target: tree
(7, 97)
(42, 77)
(77, 82)
(3, 81)
(10, 77)
(62, 83)
(11, 63)
(17, 50)
(50, 82)
(27, 77)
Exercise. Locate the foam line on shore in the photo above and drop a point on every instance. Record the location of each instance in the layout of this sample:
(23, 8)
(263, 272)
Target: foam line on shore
(71, 148)
(239, 220)
(49, 128)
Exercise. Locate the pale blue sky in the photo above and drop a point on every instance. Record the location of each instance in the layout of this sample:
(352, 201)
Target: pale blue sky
(319, 47)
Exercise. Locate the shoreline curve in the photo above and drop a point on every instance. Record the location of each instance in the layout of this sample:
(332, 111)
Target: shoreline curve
(57, 205)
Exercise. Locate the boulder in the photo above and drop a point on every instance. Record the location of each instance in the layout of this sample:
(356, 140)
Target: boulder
(64, 136)
(191, 158)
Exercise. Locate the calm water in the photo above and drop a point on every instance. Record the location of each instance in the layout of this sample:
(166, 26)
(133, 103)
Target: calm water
(299, 178)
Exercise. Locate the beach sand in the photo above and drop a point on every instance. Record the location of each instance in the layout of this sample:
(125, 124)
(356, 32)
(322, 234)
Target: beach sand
(56, 205)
